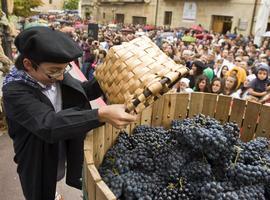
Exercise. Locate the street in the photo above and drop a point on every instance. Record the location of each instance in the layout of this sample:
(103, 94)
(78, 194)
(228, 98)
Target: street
(10, 188)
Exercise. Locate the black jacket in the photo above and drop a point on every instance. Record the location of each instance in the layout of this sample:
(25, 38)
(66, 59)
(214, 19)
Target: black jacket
(36, 130)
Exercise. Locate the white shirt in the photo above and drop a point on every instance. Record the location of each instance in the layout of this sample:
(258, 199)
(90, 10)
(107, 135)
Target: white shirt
(54, 94)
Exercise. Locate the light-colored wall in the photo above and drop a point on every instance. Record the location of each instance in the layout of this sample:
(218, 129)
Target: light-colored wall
(55, 5)
(238, 9)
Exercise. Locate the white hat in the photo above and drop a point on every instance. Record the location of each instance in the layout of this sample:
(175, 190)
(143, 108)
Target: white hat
(185, 80)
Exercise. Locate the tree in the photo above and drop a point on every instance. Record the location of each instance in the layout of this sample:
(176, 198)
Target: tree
(71, 4)
(23, 7)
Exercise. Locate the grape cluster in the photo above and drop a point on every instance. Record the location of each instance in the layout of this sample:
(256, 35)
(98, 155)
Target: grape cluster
(197, 159)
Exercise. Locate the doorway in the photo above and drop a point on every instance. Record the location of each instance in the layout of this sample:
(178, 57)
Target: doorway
(139, 20)
(168, 18)
(221, 24)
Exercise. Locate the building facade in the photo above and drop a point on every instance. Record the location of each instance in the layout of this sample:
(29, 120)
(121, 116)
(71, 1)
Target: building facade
(217, 15)
(51, 5)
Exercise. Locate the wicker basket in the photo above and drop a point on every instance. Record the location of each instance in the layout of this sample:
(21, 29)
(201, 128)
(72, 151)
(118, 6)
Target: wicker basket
(252, 118)
(137, 73)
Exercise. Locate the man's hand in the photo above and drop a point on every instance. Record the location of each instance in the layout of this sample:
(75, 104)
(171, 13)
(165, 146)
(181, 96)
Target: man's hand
(116, 115)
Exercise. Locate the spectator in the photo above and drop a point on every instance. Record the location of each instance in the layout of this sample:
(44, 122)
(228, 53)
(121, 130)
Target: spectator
(260, 85)
(240, 73)
(223, 71)
(196, 70)
(230, 85)
(242, 92)
(217, 86)
(182, 86)
(202, 84)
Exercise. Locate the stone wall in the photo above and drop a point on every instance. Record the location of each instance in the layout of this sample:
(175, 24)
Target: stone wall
(237, 9)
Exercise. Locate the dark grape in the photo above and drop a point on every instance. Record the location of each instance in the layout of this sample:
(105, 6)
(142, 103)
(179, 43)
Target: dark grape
(197, 159)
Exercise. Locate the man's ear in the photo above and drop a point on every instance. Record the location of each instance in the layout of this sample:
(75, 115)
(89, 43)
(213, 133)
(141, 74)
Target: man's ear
(27, 64)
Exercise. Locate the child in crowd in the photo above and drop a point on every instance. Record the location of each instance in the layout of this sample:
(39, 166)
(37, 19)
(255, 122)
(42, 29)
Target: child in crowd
(260, 85)
(182, 86)
(217, 86)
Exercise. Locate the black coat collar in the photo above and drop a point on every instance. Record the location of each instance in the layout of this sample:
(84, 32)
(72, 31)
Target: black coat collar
(73, 83)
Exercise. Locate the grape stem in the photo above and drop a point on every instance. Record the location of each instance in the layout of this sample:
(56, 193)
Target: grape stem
(238, 149)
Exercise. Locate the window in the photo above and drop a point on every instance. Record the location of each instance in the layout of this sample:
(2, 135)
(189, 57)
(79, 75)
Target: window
(50, 1)
(168, 18)
(120, 18)
(104, 15)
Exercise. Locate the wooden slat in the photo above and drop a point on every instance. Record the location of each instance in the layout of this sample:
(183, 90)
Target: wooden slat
(88, 155)
(168, 109)
(238, 111)
(263, 128)
(88, 141)
(136, 123)
(196, 104)
(108, 137)
(209, 104)
(126, 129)
(182, 101)
(115, 133)
(157, 112)
(223, 108)
(250, 121)
(146, 116)
(92, 178)
(88, 160)
(89, 148)
(84, 176)
(103, 192)
(99, 137)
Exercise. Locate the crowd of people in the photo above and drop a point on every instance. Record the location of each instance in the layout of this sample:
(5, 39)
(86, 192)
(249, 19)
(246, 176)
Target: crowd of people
(229, 64)
(224, 64)
(40, 89)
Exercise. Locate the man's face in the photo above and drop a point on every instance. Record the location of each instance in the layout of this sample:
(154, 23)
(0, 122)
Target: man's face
(47, 73)
(237, 61)
(225, 54)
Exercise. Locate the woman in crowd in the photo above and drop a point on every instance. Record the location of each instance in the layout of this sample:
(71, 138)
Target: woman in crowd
(202, 84)
(231, 83)
(196, 70)
(242, 92)
(217, 86)
(222, 72)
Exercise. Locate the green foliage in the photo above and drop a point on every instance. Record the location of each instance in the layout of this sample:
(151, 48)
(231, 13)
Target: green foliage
(23, 7)
(71, 4)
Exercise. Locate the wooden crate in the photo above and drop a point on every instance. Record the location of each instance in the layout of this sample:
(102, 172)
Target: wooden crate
(252, 119)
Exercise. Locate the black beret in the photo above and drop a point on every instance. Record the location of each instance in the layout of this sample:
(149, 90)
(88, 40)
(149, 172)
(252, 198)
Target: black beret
(42, 44)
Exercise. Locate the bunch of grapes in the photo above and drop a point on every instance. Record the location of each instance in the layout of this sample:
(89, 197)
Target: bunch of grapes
(197, 159)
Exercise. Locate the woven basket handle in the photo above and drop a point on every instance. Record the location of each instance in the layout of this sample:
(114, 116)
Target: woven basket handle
(160, 87)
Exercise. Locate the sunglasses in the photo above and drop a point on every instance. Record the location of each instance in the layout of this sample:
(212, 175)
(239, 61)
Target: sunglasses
(56, 74)
(238, 60)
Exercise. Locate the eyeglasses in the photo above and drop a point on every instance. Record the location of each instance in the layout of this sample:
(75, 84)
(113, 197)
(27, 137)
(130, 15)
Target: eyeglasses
(57, 74)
